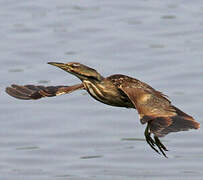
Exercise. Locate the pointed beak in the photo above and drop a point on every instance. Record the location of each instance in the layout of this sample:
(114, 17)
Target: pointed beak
(57, 64)
(66, 67)
(63, 66)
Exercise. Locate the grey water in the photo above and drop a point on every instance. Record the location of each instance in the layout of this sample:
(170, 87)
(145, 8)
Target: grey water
(74, 137)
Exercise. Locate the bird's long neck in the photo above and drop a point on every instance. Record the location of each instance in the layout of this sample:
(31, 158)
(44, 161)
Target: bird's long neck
(94, 88)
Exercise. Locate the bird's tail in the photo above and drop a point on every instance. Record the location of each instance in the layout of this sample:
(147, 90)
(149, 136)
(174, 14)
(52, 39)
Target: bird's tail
(161, 126)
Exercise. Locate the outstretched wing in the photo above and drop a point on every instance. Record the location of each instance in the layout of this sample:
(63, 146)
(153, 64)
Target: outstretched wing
(156, 110)
(28, 92)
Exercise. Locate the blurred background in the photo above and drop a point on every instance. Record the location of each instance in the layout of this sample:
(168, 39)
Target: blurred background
(73, 136)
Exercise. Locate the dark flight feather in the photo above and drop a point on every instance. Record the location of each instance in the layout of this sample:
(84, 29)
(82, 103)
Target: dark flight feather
(28, 92)
(162, 126)
(157, 111)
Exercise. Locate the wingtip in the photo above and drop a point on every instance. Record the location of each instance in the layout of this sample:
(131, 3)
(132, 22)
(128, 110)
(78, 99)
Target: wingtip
(7, 90)
(197, 125)
(16, 94)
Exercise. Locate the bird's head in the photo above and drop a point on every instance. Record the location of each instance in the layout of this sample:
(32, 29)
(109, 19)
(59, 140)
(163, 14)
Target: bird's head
(81, 71)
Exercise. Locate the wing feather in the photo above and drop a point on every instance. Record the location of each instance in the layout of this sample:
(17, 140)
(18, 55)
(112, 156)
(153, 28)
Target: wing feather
(28, 92)
(155, 109)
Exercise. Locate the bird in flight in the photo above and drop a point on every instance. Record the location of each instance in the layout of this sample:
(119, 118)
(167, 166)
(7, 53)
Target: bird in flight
(154, 108)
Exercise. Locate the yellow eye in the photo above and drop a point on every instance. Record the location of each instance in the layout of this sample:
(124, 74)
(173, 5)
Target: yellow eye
(75, 65)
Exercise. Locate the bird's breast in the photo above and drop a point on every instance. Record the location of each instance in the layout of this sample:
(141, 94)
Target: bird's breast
(93, 90)
(106, 93)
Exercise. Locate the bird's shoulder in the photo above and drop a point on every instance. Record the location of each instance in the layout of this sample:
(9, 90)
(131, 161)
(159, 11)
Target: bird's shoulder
(120, 79)
(132, 84)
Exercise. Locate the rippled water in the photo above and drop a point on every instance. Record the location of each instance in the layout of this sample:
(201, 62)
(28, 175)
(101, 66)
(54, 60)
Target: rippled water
(74, 137)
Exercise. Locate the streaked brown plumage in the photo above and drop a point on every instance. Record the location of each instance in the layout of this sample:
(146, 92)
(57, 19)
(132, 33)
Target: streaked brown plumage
(153, 107)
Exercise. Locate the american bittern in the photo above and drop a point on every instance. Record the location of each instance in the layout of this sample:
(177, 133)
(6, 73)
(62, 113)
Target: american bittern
(153, 107)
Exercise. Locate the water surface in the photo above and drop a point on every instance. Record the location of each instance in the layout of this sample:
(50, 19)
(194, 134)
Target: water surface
(73, 136)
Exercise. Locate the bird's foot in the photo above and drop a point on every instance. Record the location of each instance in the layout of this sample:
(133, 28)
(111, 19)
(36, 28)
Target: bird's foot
(154, 143)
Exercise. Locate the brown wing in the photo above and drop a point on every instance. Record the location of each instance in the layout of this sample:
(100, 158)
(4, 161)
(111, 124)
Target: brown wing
(28, 92)
(155, 109)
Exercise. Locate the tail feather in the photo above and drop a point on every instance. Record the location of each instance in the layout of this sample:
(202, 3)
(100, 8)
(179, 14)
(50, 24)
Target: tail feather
(162, 126)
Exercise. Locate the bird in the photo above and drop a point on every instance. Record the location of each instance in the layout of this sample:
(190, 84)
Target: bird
(154, 108)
